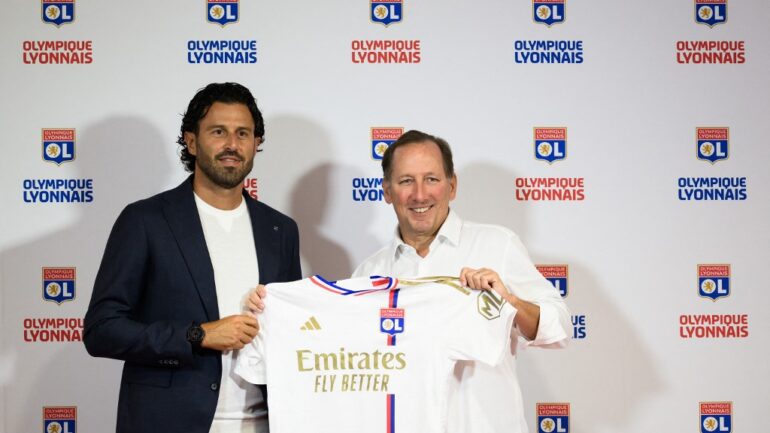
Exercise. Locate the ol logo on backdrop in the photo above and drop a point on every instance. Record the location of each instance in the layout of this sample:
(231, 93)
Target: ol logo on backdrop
(550, 143)
(57, 12)
(382, 138)
(58, 145)
(60, 419)
(716, 416)
(710, 12)
(386, 12)
(714, 281)
(558, 275)
(552, 417)
(712, 143)
(549, 12)
(222, 12)
(59, 284)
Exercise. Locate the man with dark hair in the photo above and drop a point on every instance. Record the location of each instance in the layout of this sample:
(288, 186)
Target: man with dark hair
(419, 181)
(168, 297)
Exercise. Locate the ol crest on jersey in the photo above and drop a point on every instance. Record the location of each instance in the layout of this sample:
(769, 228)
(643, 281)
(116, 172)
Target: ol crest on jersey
(58, 145)
(58, 284)
(712, 143)
(710, 12)
(222, 12)
(392, 320)
(714, 281)
(550, 144)
(386, 12)
(716, 416)
(549, 12)
(58, 12)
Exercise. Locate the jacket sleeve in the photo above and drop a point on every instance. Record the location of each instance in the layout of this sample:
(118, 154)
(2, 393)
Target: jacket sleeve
(112, 327)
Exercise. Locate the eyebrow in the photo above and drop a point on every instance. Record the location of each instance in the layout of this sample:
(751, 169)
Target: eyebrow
(239, 128)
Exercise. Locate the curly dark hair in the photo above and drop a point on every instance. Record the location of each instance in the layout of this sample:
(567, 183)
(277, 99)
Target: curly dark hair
(228, 93)
(414, 136)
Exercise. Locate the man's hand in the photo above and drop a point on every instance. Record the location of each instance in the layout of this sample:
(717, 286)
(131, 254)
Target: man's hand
(485, 279)
(527, 317)
(232, 332)
(255, 301)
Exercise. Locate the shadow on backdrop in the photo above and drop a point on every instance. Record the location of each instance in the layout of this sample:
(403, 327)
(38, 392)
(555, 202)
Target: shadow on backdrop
(629, 376)
(127, 160)
(301, 149)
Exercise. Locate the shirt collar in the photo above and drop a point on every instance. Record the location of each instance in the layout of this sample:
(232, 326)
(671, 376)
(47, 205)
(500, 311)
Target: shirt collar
(449, 231)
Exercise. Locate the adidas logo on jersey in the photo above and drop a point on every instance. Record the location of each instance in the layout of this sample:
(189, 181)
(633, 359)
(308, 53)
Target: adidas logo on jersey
(311, 325)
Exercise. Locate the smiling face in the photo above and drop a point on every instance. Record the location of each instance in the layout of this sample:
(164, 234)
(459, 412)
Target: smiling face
(224, 145)
(419, 191)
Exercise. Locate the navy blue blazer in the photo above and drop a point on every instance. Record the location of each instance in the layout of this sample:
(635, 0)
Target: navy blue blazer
(155, 279)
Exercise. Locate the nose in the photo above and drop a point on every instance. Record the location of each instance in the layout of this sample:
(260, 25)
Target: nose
(419, 193)
(231, 143)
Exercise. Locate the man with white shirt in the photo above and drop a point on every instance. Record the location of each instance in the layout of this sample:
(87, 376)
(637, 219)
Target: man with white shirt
(168, 297)
(419, 181)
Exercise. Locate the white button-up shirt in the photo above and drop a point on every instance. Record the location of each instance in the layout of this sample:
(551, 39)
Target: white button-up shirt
(473, 408)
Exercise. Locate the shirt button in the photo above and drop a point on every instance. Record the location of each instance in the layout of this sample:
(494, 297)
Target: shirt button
(214, 386)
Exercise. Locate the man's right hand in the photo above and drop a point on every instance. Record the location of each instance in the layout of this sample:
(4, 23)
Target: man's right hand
(231, 332)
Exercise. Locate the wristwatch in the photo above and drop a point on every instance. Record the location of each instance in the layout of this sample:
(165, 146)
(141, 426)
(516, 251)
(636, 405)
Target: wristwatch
(195, 335)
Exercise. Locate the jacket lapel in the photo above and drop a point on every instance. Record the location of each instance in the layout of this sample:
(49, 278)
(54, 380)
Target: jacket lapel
(266, 241)
(182, 217)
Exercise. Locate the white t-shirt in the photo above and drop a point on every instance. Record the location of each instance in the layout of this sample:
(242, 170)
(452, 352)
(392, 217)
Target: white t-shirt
(230, 243)
(370, 354)
(483, 399)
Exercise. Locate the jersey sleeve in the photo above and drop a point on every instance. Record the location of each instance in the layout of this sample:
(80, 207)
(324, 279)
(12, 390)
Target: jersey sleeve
(482, 328)
(250, 363)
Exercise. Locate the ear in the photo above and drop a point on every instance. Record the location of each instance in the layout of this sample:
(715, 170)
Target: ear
(452, 187)
(192, 144)
(387, 192)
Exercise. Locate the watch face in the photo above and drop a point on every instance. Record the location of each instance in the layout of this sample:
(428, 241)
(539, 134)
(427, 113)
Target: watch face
(195, 334)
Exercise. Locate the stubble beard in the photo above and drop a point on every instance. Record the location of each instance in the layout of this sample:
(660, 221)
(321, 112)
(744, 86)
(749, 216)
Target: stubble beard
(224, 177)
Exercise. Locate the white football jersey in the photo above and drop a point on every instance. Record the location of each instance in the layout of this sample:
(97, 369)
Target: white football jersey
(370, 354)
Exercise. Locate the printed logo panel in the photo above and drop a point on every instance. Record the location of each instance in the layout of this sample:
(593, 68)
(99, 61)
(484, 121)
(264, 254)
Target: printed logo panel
(710, 12)
(714, 281)
(548, 12)
(60, 419)
(557, 275)
(716, 416)
(58, 12)
(58, 284)
(222, 12)
(58, 145)
(712, 143)
(550, 144)
(386, 12)
(382, 138)
(552, 417)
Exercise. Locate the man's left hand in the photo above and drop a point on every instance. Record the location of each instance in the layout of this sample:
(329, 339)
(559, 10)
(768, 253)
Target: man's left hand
(485, 279)
(527, 317)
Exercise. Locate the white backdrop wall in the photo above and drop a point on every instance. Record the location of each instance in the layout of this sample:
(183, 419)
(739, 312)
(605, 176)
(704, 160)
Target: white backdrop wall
(630, 108)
